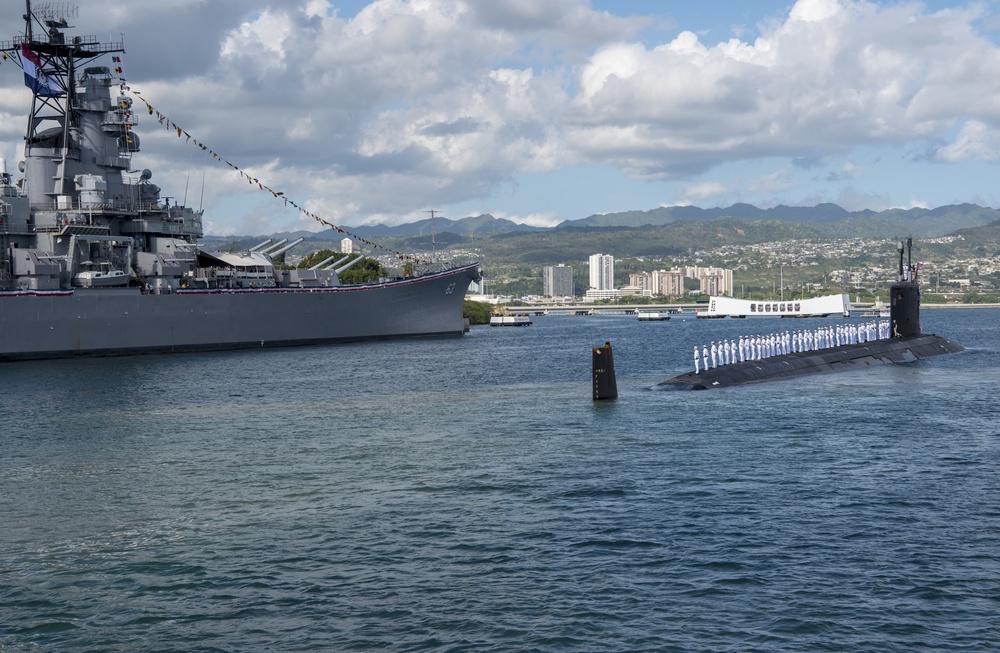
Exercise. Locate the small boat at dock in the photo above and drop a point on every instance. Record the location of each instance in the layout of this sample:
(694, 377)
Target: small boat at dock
(521, 319)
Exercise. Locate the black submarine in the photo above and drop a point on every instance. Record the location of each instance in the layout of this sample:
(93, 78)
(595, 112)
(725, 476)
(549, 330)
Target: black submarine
(905, 344)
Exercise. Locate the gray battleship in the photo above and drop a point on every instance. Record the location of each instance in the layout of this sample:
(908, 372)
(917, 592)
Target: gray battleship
(94, 262)
(906, 343)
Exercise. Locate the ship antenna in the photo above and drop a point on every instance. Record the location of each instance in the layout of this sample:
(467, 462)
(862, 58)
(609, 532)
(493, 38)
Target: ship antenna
(27, 20)
(433, 243)
(901, 247)
(909, 258)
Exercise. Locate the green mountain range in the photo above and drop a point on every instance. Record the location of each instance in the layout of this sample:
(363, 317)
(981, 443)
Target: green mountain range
(659, 232)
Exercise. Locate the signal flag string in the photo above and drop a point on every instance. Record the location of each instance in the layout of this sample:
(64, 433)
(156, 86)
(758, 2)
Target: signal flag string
(253, 181)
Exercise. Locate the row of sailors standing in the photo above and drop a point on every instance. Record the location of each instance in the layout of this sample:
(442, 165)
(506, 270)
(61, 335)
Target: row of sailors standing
(727, 352)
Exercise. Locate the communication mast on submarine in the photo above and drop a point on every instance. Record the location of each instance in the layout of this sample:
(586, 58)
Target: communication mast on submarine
(904, 306)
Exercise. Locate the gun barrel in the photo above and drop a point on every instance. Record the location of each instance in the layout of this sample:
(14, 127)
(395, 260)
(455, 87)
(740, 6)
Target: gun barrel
(347, 265)
(320, 265)
(270, 248)
(285, 248)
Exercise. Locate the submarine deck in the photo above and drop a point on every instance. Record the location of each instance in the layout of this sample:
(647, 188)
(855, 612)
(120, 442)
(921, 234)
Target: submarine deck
(833, 359)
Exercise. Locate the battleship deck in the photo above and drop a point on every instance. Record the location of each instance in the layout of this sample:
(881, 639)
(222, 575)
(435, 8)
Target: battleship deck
(101, 322)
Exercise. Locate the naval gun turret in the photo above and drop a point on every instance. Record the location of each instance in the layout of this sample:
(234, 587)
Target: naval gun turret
(324, 274)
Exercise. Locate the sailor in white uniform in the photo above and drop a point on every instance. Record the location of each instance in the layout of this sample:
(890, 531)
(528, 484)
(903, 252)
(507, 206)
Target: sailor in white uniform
(696, 359)
(704, 357)
(715, 353)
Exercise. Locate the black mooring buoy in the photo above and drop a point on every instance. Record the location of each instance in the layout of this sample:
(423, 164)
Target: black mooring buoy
(605, 385)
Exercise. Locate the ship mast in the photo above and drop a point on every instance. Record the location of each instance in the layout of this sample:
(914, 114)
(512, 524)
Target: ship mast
(27, 19)
(433, 242)
(53, 97)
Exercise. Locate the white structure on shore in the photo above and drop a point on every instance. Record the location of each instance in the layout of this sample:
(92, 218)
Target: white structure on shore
(814, 307)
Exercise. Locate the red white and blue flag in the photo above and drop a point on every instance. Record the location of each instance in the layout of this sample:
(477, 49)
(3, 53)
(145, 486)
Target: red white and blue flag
(35, 78)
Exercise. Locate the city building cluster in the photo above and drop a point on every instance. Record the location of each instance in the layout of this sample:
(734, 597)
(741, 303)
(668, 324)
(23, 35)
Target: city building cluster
(557, 281)
(670, 283)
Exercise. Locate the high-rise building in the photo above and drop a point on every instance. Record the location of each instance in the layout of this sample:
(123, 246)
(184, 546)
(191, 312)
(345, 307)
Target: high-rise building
(714, 281)
(346, 246)
(602, 272)
(642, 282)
(713, 284)
(557, 281)
(669, 283)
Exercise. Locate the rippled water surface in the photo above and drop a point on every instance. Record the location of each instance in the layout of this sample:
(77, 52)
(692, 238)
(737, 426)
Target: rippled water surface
(465, 494)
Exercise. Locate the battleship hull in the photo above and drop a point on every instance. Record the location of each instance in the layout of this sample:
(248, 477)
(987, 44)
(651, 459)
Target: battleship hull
(112, 321)
(834, 359)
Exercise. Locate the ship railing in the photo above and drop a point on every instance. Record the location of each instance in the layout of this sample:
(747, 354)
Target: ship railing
(231, 278)
(89, 42)
(114, 118)
(87, 208)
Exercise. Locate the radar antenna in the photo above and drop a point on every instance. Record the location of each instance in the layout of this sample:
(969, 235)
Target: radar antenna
(57, 12)
(54, 16)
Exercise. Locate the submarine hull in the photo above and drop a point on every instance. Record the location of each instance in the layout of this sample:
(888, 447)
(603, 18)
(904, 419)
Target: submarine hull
(834, 359)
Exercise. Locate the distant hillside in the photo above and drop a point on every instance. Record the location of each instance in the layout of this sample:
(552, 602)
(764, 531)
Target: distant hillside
(479, 225)
(662, 229)
(669, 214)
(835, 221)
(921, 223)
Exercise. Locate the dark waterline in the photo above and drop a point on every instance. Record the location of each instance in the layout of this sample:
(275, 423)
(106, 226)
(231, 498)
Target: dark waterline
(465, 494)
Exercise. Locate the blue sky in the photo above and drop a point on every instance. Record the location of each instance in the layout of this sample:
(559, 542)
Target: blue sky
(541, 112)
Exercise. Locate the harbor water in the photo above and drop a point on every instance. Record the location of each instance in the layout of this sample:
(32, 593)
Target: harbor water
(466, 494)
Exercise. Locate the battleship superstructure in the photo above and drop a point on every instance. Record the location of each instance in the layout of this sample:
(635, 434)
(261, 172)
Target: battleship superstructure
(94, 262)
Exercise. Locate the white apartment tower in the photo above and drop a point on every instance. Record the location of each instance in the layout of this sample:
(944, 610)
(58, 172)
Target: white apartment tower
(347, 246)
(602, 272)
